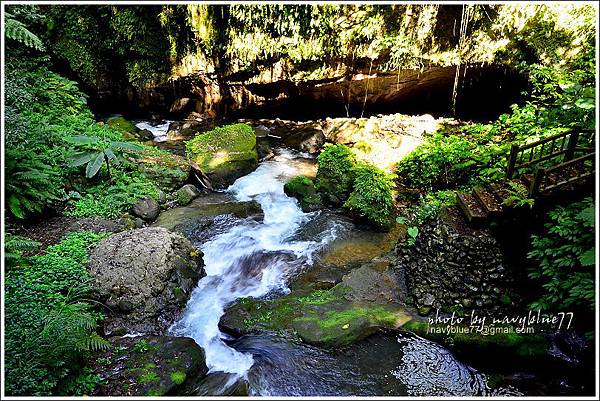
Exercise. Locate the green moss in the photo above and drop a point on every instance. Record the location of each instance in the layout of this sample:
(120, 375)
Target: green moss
(371, 196)
(178, 377)
(177, 292)
(303, 189)
(148, 377)
(335, 174)
(121, 125)
(226, 147)
(322, 317)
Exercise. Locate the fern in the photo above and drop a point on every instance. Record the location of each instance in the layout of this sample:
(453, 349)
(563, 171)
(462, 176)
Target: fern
(16, 30)
(14, 248)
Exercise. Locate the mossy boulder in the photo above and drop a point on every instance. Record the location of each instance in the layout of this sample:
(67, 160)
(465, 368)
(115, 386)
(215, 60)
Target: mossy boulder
(366, 300)
(335, 174)
(149, 366)
(186, 194)
(224, 153)
(303, 189)
(127, 128)
(168, 171)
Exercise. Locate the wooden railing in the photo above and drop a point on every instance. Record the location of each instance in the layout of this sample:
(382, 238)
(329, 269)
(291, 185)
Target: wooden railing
(560, 150)
(574, 170)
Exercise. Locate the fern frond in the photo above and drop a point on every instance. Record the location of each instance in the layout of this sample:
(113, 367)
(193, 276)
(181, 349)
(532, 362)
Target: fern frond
(17, 31)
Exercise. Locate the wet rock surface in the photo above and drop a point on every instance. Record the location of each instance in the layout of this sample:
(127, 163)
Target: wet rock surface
(447, 267)
(144, 277)
(149, 366)
(199, 216)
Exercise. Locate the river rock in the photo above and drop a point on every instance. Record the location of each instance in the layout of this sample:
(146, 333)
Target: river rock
(145, 277)
(186, 194)
(146, 208)
(199, 216)
(149, 366)
(168, 171)
(225, 153)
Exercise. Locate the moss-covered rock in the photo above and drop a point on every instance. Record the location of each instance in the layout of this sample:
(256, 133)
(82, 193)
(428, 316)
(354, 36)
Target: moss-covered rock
(365, 301)
(335, 174)
(149, 366)
(186, 194)
(303, 189)
(124, 126)
(225, 153)
(167, 170)
(371, 198)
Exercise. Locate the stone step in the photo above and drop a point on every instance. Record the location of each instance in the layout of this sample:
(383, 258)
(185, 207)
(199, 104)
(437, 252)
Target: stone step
(472, 209)
(488, 200)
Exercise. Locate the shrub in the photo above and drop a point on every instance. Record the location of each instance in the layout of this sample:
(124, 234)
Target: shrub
(112, 199)
(371, 196)
(335, 175)
(565, 258)
(50, 328)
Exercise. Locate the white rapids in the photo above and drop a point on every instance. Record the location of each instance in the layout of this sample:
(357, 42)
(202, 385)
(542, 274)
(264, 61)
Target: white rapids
(159, 131)
(251, 259)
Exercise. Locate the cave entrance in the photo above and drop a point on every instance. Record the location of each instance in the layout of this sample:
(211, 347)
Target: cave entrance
(484, 92)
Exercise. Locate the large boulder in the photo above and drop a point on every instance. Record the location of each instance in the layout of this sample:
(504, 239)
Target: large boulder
(126, 128)
(225, 153)
(149, 366)
(144, 277)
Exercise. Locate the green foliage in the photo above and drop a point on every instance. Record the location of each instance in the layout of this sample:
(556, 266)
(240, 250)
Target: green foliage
(14, 248)
(518, 196)
(112, 199)
(371, 196)
(445, 161)
(564, 255)
(16, 30)
(50, 327)
(97, 151)
(428, 208)
(335, 175)
(178, 377)
(303, 188)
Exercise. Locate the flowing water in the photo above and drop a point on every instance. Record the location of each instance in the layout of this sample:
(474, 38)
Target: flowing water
(250, 258)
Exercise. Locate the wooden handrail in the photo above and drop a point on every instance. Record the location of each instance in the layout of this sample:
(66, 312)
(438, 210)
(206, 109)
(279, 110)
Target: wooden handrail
(538, 184)
(565, 147)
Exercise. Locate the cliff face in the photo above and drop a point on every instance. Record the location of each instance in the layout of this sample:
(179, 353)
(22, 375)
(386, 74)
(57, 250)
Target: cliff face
(341, 59)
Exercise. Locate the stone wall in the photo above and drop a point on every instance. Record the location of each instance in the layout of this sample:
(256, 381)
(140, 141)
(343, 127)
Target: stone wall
(449, 266)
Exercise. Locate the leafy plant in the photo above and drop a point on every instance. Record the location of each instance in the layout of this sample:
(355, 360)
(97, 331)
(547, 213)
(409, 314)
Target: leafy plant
(111, 199)
(518, 196)
(99, 151)
(564, 256)
(371, 196)
(50, 327)
(335, 174)
(14, 248)
(16, 30)
(428, 208)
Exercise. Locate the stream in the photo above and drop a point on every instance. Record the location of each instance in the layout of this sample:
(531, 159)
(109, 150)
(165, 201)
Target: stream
(250, 258)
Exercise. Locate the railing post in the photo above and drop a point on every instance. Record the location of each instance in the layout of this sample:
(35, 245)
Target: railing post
(570, 152)
(512, 160)
(534, 189)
